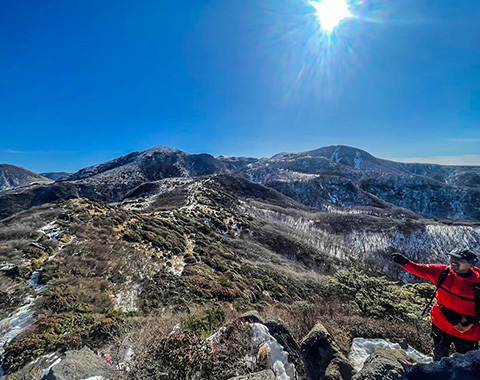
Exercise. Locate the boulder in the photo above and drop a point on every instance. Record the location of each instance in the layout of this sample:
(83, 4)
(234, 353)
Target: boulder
(383, 364)
(464, 367)
(263, 375)
(78, 365)
(251, 317)
(323, 358)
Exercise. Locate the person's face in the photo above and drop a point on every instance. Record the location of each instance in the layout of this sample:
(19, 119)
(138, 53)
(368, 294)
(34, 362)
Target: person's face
(460, 266)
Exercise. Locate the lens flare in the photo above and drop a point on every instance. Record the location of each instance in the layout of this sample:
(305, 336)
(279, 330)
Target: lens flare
(331, 13)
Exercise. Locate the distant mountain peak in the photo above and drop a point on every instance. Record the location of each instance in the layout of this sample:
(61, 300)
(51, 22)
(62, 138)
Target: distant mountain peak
(336, 152)
(12, 176)
(161, 149)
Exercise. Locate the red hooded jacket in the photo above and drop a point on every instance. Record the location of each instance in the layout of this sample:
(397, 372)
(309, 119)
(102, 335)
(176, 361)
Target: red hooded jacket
(456, 293)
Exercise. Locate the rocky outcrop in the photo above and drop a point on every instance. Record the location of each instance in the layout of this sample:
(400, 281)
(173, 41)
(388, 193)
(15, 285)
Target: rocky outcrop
(323, 358)
(263, 375)
(78, 365)
(383, 364)
(251, 316)
(464, 367)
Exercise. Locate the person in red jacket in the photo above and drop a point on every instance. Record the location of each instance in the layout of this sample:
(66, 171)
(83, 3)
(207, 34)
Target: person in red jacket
(455, 314)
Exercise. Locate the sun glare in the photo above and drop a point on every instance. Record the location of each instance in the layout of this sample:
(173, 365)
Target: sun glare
(331, 12)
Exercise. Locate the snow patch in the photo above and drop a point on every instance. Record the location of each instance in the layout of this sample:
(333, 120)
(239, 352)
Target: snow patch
(177, 265)
(278, 360)
(12, 326)
(15, 324)
(176, 328)
(215, 338)
(51, 230)
(357, 160)
(47, 371)
(126, 299)
(7, 267)
(33, 281)
(362, 348)
(335, 157)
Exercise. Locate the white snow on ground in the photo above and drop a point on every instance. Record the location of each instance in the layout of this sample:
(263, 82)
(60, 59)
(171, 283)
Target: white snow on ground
(16, 323)
(176, 328)
(215, 338)
(335, 157)
(139, 204)
(278, 360)
(126, 299)
(177, 265)
(45, 373)
(357, 160)
(33, 281)
(278, 357)
(12, 326)
(7, 266)
(191, 198)
(51, 230)
(362, 348)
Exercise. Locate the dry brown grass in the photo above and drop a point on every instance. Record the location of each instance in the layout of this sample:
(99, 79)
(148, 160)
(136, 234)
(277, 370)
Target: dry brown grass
(344, 324)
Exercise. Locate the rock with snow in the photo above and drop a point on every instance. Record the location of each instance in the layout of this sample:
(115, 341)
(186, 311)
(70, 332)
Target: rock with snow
(276, 357)
(79, 365)
(457, 367)
(286, 340)
(383, 364)
(362, 348)
(323, 358)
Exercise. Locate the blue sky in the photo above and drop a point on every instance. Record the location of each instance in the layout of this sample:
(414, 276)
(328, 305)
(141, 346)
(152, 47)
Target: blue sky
(83, 82)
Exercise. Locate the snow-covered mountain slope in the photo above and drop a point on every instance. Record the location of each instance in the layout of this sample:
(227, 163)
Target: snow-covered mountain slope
(360, 237)
(325, 178)
(350, 177)
(15, 176)
(158, 163)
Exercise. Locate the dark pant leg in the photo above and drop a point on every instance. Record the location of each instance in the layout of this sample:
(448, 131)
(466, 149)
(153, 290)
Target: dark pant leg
(441, 343)
(462, 346)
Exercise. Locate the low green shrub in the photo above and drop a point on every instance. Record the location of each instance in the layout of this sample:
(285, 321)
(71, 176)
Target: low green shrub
(206, 323)
(61, 332)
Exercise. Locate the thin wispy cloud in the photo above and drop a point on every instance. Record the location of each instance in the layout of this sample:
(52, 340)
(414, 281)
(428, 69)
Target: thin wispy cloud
(465, 140)
(461, 160)
(12, 151)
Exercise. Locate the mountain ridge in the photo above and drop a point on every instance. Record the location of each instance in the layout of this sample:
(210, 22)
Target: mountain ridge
(336, 175)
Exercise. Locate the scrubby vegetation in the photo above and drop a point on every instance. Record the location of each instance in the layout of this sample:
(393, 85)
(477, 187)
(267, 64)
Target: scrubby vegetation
(111, 272)
(61, 332)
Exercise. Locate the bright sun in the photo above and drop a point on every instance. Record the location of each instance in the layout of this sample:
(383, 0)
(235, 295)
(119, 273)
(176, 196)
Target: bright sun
(331, 12)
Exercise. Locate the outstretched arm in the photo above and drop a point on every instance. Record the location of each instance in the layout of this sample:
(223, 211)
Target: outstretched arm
(428, 271)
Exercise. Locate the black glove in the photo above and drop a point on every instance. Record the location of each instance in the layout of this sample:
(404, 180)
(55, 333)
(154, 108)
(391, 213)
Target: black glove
(400, 259)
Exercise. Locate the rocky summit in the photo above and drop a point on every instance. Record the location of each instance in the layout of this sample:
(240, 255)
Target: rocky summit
(165, 265)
